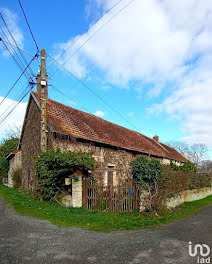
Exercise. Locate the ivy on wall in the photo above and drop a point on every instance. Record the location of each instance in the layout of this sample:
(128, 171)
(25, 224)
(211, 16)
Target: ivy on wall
(145, 171)
(52, 167)
(162, 182)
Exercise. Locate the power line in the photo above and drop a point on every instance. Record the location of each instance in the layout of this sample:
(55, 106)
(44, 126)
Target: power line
(95, 33)
(11, 35)
(85, 32)
(28, 24)
(17, 98)
(16, 105)
(18, 79)
(65, 95)
(93, 92)
(16, 47)
(11, 53)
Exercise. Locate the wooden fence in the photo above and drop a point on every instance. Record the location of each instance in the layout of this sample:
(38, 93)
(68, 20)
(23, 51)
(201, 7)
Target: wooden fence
(117, 199)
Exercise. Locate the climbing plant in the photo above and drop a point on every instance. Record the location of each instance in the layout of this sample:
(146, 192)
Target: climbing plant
(146, 173)
(52, 167)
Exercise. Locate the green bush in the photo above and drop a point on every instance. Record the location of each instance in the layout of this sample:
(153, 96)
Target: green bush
(6, 147)
(1, 177)
(188, 166)
(174, 181)
(52, 167)
(145, 171)
(16, 178)
(205, 180)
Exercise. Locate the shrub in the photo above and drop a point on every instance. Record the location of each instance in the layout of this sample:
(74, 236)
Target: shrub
(52, 167)
(188, 166)
(6, 147)
(174, 181)
(1, 177)
(146, 173)
(16, 178)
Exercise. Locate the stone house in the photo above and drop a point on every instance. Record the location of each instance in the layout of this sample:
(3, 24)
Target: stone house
(113, 146)
(14, 160)
(51, 124)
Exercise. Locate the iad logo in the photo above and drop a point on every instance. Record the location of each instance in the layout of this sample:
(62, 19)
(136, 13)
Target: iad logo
(202, 249)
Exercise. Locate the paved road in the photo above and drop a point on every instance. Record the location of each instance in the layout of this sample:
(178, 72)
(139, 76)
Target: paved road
(28, 240)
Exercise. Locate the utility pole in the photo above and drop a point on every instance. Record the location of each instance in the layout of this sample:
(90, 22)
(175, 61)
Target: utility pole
(42, 90)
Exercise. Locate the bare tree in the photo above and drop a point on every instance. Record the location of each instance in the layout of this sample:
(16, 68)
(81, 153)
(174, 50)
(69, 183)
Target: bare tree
(180, 146)
(14, 131)
(206, 165)
(196, 153)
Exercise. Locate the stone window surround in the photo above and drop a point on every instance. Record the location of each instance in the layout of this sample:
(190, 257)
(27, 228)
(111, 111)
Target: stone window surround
(110, 167)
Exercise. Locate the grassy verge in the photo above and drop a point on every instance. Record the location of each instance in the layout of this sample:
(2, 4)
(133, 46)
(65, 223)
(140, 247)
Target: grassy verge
(94, 220)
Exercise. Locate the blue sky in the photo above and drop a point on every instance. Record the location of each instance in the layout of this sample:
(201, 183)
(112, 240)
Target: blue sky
(151, 62)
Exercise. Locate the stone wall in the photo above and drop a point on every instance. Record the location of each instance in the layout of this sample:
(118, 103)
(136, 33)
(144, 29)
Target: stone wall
(188, 196)
(112, 159)
(77, 192)
(30, 145)
(14, 164)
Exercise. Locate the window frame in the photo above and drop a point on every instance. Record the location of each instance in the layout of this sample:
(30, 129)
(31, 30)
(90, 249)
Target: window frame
(94, 153)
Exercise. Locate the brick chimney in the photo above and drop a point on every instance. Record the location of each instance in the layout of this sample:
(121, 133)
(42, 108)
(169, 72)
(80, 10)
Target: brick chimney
(156, 138)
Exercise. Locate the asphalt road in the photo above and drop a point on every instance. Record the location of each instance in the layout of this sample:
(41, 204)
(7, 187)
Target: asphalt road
(29, 240)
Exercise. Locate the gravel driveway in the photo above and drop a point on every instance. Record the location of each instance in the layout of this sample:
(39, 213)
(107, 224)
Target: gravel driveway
(29, 240)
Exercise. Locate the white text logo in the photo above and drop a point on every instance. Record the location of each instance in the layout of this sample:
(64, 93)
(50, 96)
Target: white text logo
(202, 250)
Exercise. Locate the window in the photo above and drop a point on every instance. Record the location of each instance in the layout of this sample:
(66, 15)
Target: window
(96, 151)
(110, 178)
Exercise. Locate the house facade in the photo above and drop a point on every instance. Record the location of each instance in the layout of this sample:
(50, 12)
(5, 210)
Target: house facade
(113, 146)
(55, 125)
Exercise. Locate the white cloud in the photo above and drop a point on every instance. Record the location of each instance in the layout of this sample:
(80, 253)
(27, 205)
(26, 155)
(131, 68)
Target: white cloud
(130, 114)
(99, 113)
(15, 119)
(191, 102)
(74, 65)
(165, 43)
(136, 44)
(12, 23)
(105, 88)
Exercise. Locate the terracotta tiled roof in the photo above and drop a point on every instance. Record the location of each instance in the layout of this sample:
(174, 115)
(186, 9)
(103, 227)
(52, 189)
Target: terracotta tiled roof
(15, 151)
(69, 121)
(12, 154)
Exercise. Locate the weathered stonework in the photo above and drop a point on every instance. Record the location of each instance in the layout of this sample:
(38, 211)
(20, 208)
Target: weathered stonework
(14, 164)
(66, 201)
(188, 196)
(119, 159)
(114, 159)
(165, 161)
(77, 192)
(30, 145)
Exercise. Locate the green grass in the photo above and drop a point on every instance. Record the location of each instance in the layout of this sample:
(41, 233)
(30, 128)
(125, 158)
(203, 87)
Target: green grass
(94, 220)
